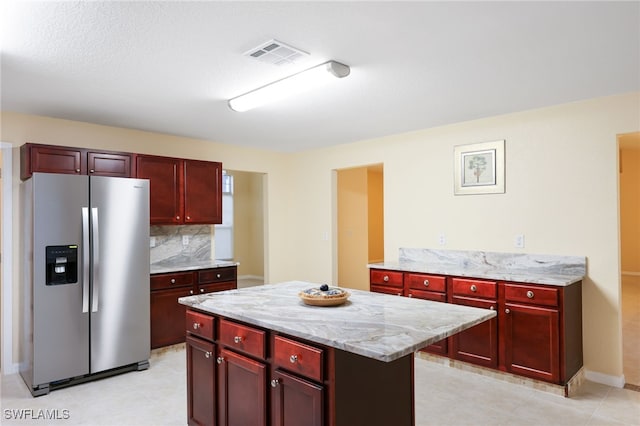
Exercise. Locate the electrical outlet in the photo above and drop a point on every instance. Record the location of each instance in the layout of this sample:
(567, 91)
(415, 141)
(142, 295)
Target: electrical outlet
(442, 240)
(152, 241)
(185, 240)
(518, 241)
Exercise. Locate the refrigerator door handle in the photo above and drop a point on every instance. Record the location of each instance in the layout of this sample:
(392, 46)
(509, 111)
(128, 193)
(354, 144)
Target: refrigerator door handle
(96, 259)
(85, 260)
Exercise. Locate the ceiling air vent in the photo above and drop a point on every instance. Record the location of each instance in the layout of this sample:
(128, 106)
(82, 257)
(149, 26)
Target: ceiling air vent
(277, 53)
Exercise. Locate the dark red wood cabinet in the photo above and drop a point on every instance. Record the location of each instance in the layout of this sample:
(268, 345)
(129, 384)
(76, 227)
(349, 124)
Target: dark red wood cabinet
(167, 315)
(70, 160)
(537, 333)
(478, 344)
(201, 381)
(295, 401)
(182, 191)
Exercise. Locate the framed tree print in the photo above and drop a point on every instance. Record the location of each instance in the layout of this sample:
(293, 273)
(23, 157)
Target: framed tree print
(479, 168)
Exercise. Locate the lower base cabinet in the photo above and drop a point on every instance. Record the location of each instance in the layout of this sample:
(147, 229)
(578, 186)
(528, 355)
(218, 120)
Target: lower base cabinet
(242, 375)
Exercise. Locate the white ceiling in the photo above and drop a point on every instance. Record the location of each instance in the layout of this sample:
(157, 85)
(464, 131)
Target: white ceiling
(170, 67)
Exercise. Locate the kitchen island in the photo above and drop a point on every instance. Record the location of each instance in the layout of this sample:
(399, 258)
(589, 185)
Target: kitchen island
(261, 356)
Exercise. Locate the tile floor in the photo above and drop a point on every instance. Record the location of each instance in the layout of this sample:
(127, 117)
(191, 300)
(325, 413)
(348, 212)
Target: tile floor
(631, 329)
(444, 396)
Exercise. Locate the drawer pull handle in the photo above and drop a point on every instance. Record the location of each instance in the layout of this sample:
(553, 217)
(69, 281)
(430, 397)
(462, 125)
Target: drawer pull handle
(275, 383)
(207, 354)
(386, 278)
(293, 359)
(426, 283)
(237, 339)
(173, 280)
(474, 288)
(220, 360)
(196, 325)
(530, 294)
(506, 311)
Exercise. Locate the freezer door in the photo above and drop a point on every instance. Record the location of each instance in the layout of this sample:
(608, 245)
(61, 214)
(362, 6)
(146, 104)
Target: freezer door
(120, 293)
(60, 327)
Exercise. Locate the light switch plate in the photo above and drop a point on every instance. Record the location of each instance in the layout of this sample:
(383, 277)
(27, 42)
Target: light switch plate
(518, 241)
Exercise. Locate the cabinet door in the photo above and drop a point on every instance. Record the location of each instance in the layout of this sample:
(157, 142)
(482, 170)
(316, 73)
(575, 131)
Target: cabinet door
(48, 159)
(109, 164)
(165, 187)
(531, 341)
(167, 317)
(202, 192)
(478, 344)
(242, 390)
(201, 379)
(295, 401)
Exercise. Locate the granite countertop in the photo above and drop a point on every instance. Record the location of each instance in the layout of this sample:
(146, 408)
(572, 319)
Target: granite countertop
(188, 264)
(518, 275)
(374, 325)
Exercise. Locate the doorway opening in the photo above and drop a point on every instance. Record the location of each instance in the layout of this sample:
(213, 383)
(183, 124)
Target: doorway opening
(360, 223)
(241, 235)
(629, 211)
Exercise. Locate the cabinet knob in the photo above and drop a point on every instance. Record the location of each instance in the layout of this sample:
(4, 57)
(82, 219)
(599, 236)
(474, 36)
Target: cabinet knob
(207, 354)
(237, 339)
(196, 325)
(492, 308)
(530, 294)
(202, 290)
(218, 276)
(92, 171)
(178, 217)
(275, 382)
(220, 360)
(474, 288)
(410, 295)
(399, 294)
(293, 359)
(77, 170)
(188, 217)
(506, 311)
(173, 280)
(386, 278)
(190, 291)
(426, 283)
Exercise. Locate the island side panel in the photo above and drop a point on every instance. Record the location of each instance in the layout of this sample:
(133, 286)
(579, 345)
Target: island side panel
(368, 392)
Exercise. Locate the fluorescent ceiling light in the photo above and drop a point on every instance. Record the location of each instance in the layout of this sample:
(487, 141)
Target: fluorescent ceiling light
(292, 85)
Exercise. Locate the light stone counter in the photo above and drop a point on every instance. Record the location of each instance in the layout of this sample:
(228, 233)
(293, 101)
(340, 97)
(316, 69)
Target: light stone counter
(374, 325)
(187, 264)
(518, 267)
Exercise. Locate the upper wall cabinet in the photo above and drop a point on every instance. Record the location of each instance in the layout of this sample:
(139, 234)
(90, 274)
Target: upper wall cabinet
(182, 191)
(69, 160)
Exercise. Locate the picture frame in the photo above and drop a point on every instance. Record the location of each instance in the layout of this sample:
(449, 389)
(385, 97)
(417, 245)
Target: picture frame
(479, 168)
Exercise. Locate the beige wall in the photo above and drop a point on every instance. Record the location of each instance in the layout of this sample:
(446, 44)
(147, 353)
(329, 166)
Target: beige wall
(630, 203)
(561, 193)
(248, 223)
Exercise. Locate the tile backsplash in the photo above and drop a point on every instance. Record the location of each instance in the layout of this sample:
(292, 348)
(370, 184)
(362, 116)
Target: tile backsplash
(170, 242)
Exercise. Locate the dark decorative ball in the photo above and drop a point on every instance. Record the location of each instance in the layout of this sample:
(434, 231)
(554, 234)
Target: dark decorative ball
(324, 287)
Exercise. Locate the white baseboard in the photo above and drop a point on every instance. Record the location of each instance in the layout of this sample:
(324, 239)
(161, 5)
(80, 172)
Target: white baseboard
(250, 277)
(634, 274)
(605, 379)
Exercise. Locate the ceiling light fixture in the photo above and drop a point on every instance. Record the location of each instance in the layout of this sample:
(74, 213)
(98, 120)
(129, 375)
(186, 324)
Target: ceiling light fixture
(292, 85)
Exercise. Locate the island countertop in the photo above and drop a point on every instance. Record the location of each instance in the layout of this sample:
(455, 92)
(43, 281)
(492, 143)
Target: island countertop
(374, 325)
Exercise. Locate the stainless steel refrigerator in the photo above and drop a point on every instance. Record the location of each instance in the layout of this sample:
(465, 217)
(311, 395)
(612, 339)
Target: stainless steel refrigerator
(85, 311)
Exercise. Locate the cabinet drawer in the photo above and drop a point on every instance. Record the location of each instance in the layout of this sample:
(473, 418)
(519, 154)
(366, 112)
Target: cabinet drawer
(298, 358)
(427, 295)
(242, 338)
(210, 288)
(427, 282)
(216, 275)
(161, 281)
(547, 296)
(386, 278)
(394, 291)
(474, 288)
(200, 325)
